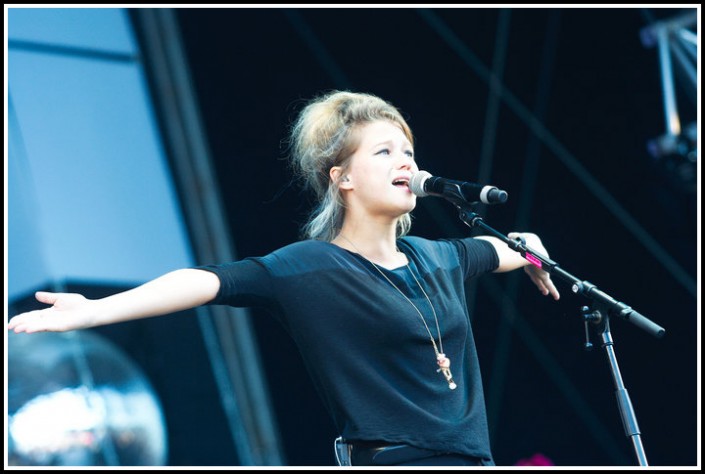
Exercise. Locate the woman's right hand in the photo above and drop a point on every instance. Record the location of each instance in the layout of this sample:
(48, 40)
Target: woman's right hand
(69, 311)
(174, 291)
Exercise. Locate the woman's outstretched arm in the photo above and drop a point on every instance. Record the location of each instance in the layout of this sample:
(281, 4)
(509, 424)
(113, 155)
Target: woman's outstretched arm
(174, 291)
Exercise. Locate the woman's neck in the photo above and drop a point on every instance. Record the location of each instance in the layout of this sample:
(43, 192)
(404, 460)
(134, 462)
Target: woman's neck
(377, 243)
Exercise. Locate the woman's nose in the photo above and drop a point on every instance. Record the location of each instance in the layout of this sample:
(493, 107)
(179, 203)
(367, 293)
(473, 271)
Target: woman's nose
(407, 163)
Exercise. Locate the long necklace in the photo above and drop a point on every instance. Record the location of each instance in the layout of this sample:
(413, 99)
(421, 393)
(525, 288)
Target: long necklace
(441, 359)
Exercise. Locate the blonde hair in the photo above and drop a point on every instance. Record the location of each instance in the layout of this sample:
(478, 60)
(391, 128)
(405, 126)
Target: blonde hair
(323, 137)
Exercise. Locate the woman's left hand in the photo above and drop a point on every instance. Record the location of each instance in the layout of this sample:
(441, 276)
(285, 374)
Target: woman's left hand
(541, 278)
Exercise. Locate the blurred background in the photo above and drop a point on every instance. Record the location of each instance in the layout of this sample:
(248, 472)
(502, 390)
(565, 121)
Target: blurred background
(142, 140)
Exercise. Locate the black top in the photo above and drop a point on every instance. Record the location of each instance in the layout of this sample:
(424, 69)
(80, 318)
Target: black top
(365, 346)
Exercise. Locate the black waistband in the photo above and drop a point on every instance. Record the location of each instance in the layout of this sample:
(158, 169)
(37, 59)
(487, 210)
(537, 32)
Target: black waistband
(371, 453)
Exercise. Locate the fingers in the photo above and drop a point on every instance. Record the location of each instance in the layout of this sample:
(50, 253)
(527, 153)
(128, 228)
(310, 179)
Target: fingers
(543, 282)
(28, 322)
(547, 287)
(46, 297)
(19, 327)
(40, 320)
(33, 321)
(551, 288)
(13, 324)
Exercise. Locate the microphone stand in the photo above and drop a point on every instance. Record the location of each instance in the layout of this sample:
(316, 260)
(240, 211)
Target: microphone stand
(604, 307)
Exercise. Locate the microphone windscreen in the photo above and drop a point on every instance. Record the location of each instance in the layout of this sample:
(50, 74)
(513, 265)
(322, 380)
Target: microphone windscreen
(417, 181)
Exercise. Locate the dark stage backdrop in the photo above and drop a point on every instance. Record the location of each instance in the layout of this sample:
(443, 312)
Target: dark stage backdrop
(563, 128)
(565, 133)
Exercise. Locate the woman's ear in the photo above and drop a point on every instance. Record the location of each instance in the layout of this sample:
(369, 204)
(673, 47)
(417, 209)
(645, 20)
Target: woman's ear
(336, 176)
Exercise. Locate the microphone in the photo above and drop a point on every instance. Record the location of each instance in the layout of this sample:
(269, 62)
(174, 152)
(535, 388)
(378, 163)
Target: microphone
(424, 184)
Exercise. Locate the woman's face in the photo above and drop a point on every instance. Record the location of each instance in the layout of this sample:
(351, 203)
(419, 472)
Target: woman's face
(380, 170)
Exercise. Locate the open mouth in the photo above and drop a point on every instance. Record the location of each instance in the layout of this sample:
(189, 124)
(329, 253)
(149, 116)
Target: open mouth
(401, 183)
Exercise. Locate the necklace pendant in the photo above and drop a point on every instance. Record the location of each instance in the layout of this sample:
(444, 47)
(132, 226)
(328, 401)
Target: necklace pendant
(444, 367)
(449, 379)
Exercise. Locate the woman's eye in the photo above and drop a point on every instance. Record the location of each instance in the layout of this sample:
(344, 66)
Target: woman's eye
(387, 151)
